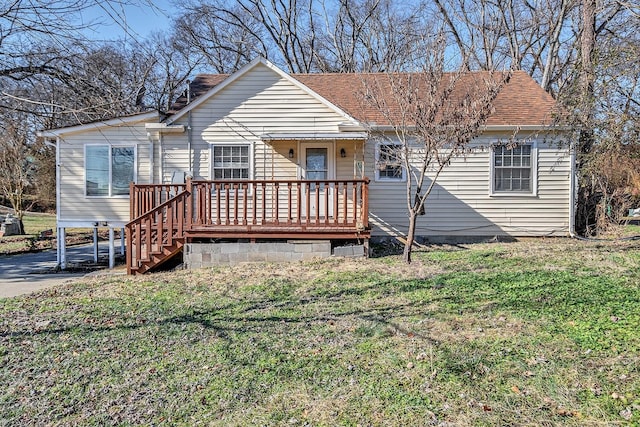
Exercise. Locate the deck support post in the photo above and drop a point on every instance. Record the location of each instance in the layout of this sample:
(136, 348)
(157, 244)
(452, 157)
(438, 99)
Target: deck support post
(95, 244)
(62, 246)
(122, 241)
(112, 249)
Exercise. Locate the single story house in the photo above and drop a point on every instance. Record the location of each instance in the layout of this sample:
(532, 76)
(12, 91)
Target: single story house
(265, 156)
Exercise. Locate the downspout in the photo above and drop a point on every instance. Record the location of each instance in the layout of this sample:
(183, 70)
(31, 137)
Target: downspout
(189, 131)
(151, 158)
(572, 191)
(57, 147)
(161, 157)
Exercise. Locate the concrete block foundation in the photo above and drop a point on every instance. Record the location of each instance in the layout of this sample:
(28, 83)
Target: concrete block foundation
(198, 255)
(350, 251)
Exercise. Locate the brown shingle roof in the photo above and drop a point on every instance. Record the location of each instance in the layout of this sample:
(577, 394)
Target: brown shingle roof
(198, 87)
(521, 102)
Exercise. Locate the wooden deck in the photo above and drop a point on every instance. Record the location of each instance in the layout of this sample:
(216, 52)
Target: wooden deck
(165, 217)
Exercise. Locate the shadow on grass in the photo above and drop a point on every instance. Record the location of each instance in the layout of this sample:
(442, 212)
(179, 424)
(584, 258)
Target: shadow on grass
(395, 247)
(560, 297)
(242, 316)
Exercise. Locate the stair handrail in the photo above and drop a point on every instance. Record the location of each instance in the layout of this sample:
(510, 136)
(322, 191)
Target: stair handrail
(129, 226)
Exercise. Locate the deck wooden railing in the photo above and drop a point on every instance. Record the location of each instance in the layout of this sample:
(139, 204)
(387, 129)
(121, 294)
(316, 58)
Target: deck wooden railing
(331, 204)
(145, 197)
(164, 217)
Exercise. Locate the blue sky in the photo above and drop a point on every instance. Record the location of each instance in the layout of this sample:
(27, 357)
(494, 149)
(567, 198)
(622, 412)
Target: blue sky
(141, 19)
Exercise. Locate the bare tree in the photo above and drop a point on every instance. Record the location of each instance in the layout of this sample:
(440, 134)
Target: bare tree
(219, 35)
(603, 100)
(230, 34)
(433, 116)
(170, 63)
(368, 36)
(302, 35)
(16, 163)
(51, 76)
(537, 37)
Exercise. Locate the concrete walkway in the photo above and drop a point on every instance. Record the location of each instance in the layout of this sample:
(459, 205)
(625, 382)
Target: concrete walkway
(25, 273)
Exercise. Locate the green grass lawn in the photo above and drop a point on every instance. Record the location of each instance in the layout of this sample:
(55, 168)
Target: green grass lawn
(542, 332)
(34, 224)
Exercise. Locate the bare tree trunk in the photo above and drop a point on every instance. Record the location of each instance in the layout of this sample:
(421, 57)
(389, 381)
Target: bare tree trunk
(408, 244)
(586, 207)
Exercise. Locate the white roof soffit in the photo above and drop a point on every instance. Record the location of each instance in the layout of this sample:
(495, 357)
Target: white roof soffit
(115, 122)
(314, 136)
(235, 76)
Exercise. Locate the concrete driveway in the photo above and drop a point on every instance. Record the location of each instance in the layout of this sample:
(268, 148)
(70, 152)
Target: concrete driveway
(25, 273)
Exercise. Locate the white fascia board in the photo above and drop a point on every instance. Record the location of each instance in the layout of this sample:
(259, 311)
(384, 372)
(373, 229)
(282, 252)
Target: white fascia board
(351, 127)
(164, 128)
(115, 122)
(235, 76)
(313, 136)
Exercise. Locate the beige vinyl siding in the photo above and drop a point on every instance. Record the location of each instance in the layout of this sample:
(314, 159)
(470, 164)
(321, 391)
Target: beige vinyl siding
(260, 102)
(175, 158)
(73, 204)
(354, 151)
(273, 162)
(461, 205)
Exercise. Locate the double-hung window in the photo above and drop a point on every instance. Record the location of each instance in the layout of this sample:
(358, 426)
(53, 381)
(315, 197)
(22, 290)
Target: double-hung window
(231, 162)
(389, 162)
(109, 170)
(514, 170)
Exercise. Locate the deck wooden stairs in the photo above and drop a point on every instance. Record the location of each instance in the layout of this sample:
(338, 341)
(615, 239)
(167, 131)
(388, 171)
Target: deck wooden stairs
(157, 235)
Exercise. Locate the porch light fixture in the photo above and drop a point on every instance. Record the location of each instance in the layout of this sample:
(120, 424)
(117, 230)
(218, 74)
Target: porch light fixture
(343, 153)
(291, 153)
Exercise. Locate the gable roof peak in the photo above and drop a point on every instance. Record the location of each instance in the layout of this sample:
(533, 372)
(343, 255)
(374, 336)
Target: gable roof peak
(221, 81)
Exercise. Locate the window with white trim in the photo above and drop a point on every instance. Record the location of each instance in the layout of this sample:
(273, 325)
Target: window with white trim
(109, 170)
(231, 162)
(388, 162)
(514, 169)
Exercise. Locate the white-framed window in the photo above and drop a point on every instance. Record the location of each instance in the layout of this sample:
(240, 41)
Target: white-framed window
(108, 170)
(231, 161)
(389, 165)
(514, 170)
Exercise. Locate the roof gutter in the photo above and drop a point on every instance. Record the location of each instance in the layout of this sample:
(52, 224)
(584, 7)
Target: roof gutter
(314, 136)
(486, 128)
(525, 127)
(118, 121)
(189, 131)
